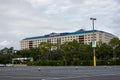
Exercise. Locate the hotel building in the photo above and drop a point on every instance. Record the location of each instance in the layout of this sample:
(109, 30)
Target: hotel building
(83, 36)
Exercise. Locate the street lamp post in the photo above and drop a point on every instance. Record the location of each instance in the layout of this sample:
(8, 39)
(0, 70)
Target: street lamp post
(93, 43)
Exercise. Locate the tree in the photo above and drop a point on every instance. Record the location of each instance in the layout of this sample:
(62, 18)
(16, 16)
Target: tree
(87, 52)
(75, 51)
(45, 50)
(104, 52)
(6, 54)
(114, 43)
(4, 59)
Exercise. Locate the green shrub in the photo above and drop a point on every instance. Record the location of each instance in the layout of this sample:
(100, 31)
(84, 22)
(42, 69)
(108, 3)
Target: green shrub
(45, 63)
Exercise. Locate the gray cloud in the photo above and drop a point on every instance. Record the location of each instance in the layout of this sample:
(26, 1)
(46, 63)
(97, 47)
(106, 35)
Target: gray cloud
(26, 18)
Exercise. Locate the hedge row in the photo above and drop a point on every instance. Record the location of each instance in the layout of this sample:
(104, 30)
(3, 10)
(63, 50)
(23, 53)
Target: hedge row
(45, 63)
(74, 63)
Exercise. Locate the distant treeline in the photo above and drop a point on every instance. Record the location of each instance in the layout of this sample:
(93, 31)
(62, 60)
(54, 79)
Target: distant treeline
(68, 54)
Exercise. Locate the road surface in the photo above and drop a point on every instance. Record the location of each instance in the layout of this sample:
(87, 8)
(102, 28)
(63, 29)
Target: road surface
(60, 73)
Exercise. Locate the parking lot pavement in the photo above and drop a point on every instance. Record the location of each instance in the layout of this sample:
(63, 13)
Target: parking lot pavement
(60, 73)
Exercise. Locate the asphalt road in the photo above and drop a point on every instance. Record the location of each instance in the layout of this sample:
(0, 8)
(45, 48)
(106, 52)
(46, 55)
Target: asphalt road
(60, 73)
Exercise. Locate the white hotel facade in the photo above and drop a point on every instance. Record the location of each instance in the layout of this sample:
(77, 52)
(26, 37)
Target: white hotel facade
(83, 36)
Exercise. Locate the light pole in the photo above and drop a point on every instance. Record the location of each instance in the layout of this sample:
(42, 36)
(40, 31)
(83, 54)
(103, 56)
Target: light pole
(93, 42)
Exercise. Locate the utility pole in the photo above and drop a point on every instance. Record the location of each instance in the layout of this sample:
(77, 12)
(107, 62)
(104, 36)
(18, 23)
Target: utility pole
(93, 43)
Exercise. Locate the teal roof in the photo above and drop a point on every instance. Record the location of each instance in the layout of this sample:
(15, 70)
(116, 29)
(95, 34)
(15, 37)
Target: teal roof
(81, 31)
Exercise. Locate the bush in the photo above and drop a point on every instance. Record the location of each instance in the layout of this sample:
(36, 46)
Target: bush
(108, 62)
(45, 63)
(74, 63)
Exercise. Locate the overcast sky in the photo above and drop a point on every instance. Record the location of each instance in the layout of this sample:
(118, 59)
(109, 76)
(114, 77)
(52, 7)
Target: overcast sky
(26, 18)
